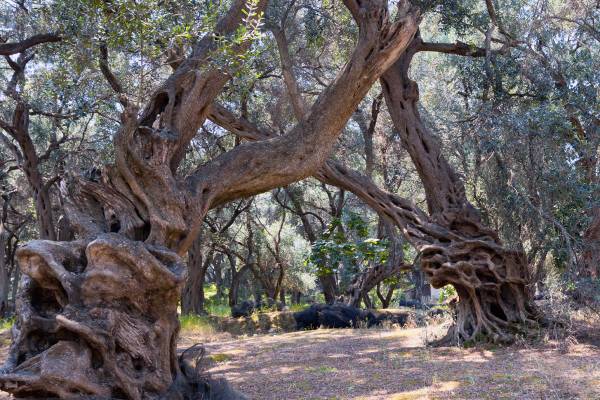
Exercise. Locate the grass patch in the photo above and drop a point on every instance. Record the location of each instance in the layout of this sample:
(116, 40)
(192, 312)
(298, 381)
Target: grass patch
(6, 324)
(220, 357)
(298, 307)
(220, 310)
(322, 369)
(215, 305)
(196, 324)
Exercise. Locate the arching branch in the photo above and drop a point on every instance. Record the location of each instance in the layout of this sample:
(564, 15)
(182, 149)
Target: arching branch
(7, 49)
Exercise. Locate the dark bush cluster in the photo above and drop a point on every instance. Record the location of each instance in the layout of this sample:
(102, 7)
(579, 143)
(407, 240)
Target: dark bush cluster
(343, 316)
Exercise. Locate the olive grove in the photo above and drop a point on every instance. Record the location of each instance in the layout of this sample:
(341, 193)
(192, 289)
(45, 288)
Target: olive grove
(404, 138)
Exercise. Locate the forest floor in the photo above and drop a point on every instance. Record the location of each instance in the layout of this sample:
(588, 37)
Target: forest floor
(395, 364)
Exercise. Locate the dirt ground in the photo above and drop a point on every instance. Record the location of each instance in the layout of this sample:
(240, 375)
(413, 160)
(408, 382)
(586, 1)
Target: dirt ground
(395, 364)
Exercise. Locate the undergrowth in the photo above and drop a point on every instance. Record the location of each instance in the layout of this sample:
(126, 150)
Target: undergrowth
(6, 324)
(197, 324)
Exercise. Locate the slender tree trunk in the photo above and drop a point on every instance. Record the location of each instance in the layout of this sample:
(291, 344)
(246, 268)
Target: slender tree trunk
(43, 209)
(4, 267)
(329, 287)
(235, 285)
(31, 168)
(279, 283)
(218, 268)
(257, 293)
(387, 299)
(236, 277)
(193, 292)
(14, 288)
(367, 300)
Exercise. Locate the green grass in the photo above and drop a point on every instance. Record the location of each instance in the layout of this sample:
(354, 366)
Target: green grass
(213, 304)
(196, 324)
(322, 369)
(210, 291)
(6, 324)
(220, 357)
(298, 307)
(218, 309)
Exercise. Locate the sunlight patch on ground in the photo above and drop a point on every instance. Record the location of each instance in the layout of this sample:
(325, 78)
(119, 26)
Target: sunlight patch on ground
(412, 395)
(383, 364)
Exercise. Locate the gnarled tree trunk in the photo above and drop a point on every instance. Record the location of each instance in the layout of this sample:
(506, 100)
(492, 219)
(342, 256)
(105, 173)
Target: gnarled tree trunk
(92, 312)
(491, 280)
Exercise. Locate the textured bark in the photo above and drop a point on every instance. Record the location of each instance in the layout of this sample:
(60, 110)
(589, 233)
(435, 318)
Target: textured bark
(192, 299)
(591, 253)
(98, 316)
(491, 280)
(67, 340)
(4, 262)
(329, 287)
(30, 163)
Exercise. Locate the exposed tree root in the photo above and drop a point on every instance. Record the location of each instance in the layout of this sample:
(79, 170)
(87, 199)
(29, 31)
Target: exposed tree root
(492, 285)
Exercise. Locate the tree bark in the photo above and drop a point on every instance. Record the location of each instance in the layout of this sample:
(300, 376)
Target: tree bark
(591, 252)
(7, 49)
(236, 277)
(364, 282)
(218, 269)
(329, 287)
(4, 276)
(192, 301)
(31, 167)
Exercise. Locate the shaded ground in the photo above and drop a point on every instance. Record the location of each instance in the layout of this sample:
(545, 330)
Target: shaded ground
(395, 364)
